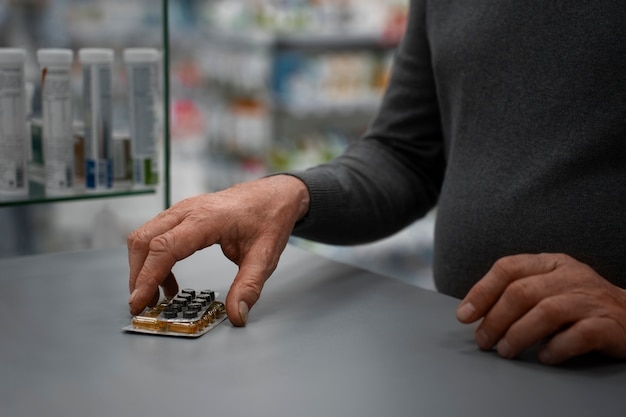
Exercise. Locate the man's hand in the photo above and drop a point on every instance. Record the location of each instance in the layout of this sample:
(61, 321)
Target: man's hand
(252, 223)
(526, 298)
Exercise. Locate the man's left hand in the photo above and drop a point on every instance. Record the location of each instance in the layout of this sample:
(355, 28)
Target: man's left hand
(525, 299)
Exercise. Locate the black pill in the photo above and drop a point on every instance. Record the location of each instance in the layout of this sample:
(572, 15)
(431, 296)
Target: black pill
(194, 306)
(174, 306)
(189, 291)
(189, 314)
(180, 300)
(186, 296)
(170, 314)
(202, 301)
(210, 293)
(205, 297)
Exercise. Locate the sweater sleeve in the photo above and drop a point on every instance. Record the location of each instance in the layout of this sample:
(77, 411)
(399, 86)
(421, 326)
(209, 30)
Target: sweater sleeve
(392, 176)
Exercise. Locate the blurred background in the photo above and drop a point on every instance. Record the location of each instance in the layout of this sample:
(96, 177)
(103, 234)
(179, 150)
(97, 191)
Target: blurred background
(256, 86)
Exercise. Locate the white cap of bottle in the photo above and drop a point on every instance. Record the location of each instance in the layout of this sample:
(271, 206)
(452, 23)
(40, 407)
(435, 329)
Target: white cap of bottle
(139, 55)
(55, 57)
(95, 55)
(12, 56)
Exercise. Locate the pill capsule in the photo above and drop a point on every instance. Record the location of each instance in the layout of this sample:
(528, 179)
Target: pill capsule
(189, 314)
(186, 296)
(210, 293)
(205, 297)
(202, 301)
(180, 300)
(189, 291)
(194, 306)
(176, 307)
(170, 314)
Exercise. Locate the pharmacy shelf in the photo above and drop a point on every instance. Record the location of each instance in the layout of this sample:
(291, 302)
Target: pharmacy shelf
(333, 42)
(37, 195)
(244, 75)
(325, 42)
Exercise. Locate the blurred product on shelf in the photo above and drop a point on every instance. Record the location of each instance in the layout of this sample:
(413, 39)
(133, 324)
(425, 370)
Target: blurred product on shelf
(58, 135)
(308, 16)
(98, 116)
(271, 85)
(328, 82)
(116, 24)
(13, 132)
(143, 80)
(122, 159)
(65, 153)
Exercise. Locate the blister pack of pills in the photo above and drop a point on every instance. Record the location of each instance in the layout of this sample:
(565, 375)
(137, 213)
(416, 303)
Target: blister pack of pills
(189, 314)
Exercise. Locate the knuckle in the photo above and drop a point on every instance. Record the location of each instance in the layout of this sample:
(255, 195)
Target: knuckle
(507, 266)
(589, 333)
(138, 240)
(551, 308)
(503, 264)
(560, 261)
(162, 244)
(152, 281)
(518, 290)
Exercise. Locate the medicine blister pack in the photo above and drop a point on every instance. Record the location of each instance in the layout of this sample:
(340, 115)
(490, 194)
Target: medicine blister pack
(188, 314)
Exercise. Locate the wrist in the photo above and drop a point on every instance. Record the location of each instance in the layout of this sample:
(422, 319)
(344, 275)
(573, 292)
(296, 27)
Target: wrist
(294, 192)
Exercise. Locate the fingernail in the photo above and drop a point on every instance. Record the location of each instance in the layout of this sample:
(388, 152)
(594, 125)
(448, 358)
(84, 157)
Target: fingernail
(504, 349)
(132, 296)
(243, 311)
(465, 311)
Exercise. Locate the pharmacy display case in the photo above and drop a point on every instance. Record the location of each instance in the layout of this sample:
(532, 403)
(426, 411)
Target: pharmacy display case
(133, 115)
(75, 27)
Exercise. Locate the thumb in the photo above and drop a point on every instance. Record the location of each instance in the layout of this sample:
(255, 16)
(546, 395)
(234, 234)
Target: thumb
(245, 292)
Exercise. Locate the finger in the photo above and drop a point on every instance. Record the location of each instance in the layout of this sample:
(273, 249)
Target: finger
(170, 289)
(164, 251)
(246, 289)
(170, 286)
(155, 299)
(138, 241)
(544, 320)
(516, 300)
(588, 335)
(488, 290)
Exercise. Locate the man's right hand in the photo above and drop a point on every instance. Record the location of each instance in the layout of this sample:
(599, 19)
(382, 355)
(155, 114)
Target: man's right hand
(251, 221)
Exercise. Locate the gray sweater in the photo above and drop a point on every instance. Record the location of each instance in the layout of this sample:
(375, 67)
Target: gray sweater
(510, 117)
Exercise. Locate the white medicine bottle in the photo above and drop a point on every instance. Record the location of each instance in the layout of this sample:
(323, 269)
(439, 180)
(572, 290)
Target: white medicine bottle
(14, 143)
(58, 137)
(143, 82)
(98, 116)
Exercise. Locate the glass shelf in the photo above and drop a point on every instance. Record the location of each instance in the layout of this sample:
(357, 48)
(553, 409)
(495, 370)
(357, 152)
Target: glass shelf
(37, 195)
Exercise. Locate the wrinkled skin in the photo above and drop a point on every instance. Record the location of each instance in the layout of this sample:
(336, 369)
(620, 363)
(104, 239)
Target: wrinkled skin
(524, 299)
(251, 222)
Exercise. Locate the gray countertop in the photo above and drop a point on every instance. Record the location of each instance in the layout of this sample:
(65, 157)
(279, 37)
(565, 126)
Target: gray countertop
(325, 340)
